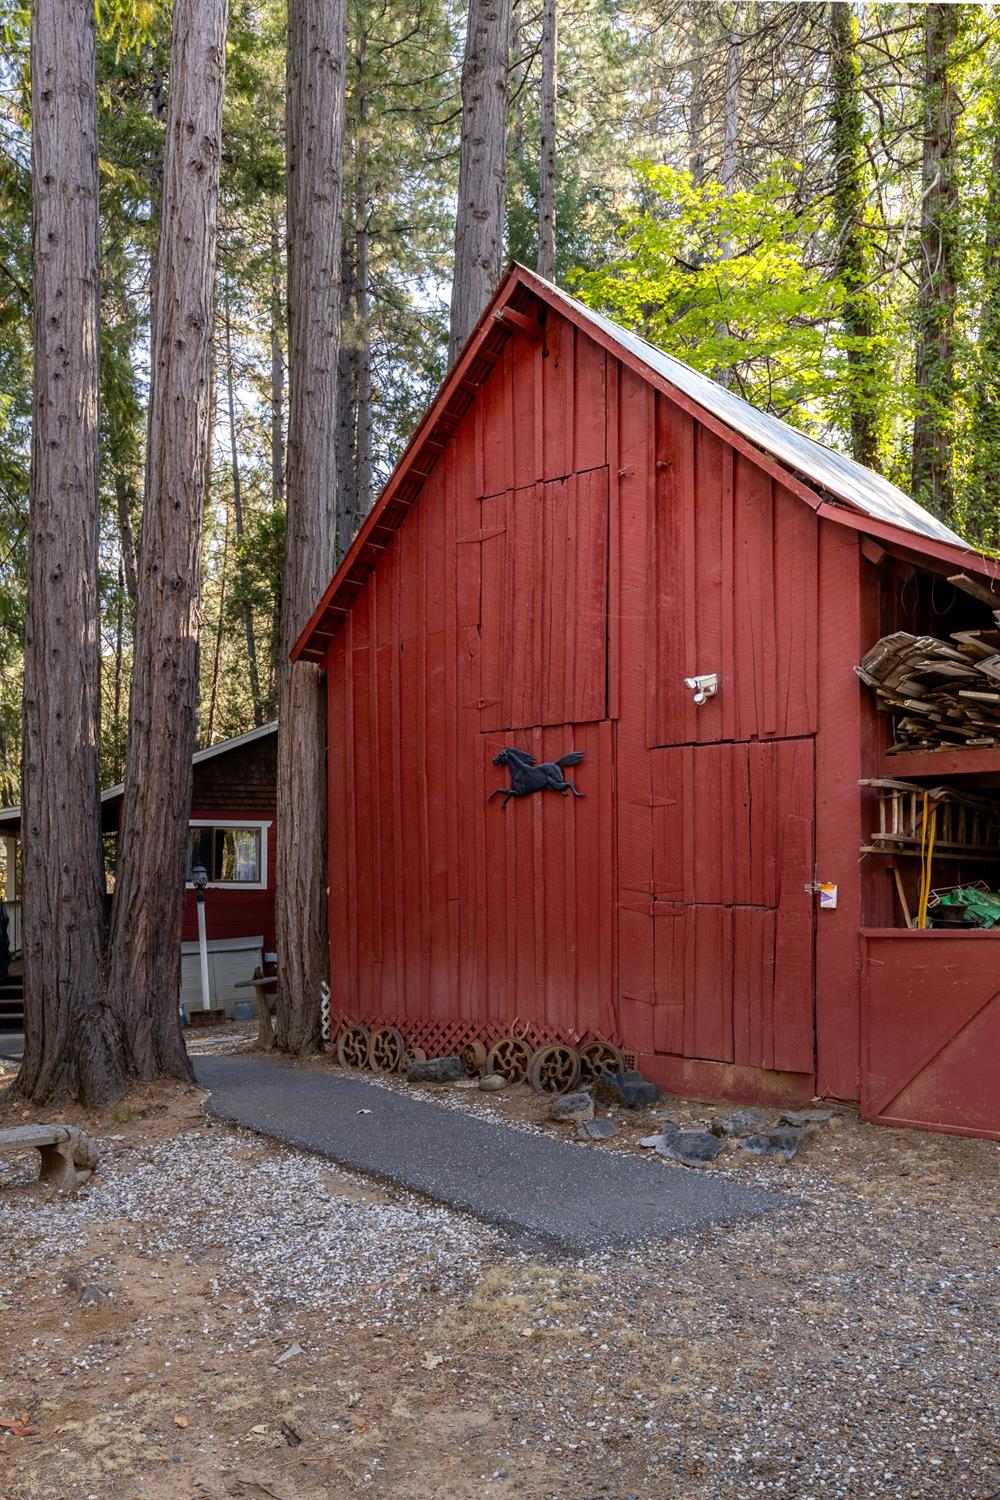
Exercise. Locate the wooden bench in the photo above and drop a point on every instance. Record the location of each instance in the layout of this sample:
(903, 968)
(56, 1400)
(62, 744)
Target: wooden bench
(263, 986)
(67, 1155)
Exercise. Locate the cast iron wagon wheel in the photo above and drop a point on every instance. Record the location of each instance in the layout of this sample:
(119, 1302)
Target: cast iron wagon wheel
(474, 1059)
(600, 1057)
(509, 1056)
(385, 1050)
(352, 1046)
(411, 1055)
(554, 1069)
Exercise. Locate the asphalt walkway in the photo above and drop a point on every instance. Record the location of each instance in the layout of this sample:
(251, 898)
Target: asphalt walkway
(568, 1197)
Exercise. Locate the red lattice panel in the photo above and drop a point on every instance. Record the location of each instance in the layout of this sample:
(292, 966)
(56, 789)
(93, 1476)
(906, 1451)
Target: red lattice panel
(447, 1038)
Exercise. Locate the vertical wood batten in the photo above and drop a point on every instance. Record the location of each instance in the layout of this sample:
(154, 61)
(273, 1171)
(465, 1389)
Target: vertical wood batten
(839, 833)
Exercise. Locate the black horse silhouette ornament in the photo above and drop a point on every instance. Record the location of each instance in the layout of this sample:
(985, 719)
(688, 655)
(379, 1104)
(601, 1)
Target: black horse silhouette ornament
(527, 777)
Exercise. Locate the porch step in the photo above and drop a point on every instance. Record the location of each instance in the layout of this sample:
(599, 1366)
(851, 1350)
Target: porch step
(12, 1003)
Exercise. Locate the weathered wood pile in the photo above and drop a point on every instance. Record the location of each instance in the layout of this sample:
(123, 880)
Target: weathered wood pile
(942, 693)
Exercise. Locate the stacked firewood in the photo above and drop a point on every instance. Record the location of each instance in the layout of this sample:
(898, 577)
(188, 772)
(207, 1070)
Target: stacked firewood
(942, 693)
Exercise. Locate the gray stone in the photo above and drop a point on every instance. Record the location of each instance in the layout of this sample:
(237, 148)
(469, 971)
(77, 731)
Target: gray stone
(492, 1082)
(571, 1107)
(807, 1116)
(630, 1089)
(664, 1136)
(740, 1122)
(781, 1142)
(596, 1130)
(692, 1147)
(92, 1296)
(436, 1070)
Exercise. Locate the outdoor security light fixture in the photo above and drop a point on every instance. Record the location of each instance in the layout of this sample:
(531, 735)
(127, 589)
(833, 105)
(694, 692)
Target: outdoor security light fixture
(199, 879)
(703, 687)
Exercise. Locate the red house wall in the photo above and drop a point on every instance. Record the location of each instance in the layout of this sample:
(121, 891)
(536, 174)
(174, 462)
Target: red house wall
(582, 545)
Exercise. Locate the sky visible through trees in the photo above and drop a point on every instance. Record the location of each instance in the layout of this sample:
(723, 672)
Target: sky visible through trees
(801, 199)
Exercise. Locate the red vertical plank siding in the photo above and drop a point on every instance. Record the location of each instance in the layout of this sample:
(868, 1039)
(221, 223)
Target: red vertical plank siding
(590, 417)
(581, 547)
(839, 831)
(637, 962)
(558, 390)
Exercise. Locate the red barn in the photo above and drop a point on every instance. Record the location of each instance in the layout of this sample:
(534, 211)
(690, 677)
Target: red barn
(580, 527)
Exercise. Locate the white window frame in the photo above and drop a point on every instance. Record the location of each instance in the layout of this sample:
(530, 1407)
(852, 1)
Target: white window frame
(262, 825)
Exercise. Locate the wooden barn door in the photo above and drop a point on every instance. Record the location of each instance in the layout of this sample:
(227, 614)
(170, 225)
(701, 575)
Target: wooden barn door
(716, 948)
(543, 610)
(546, 898)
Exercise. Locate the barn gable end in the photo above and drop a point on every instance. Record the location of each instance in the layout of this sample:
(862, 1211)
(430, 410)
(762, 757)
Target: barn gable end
(566, 542)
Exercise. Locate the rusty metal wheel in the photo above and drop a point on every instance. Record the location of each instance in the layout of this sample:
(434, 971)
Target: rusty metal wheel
(554, 1069)
(411, 1055)
(509, 1056)
(385, 1050)
(600, 1057)
(352, 1046)
(474, 1059)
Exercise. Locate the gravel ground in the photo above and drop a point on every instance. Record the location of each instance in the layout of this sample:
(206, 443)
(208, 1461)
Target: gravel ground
(844, 1347)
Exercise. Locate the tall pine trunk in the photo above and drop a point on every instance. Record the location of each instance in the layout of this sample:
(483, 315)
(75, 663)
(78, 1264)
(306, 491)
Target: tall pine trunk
(277, 372)
(482, 171)
(982, 511)
(234, 463)
(70, 1036)
(854, 261)
(314, 119)
(144, 953)
(932, 478)
(547, 162)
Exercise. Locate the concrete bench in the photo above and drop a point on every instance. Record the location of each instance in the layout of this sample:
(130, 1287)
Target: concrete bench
(68, 1156)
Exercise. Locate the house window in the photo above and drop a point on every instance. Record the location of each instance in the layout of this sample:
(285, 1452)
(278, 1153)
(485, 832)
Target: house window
(232, 854)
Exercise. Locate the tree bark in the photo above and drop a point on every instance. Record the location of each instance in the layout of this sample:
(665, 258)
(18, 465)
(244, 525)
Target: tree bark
(547, 158)
(932, 478)
(234, 459)
(482, 172)
(854, 262)
(144, 954)
(277, 373)
(983, 513)
(731, 107)
(314, 122)
(71, 1041)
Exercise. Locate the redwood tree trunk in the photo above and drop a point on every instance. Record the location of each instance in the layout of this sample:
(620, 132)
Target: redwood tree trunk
(482, 171)
(144, 956)
(860, 312)
(70, 1036)
(547, 163)
(932, 479)
(314, 121)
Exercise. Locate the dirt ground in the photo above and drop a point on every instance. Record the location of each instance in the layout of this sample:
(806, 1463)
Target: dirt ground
(844, 1346)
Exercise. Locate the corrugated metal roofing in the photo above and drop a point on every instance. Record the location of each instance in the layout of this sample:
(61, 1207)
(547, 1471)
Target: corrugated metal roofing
(835, 472)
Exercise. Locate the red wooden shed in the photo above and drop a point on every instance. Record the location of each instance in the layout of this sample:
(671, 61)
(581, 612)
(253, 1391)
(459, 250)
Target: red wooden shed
(579, 526)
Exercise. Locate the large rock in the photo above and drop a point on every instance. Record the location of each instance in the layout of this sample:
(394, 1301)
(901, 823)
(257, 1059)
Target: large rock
(571, 1108)
(630, 1089)
(740, 1122)
(807, 1116)
(596, 1130)
(436, 1070)
(694, 1148)
(491, 1083)
(782, 1142)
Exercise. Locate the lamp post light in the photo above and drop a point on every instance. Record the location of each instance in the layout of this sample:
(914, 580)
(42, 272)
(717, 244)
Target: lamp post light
(199, 879)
